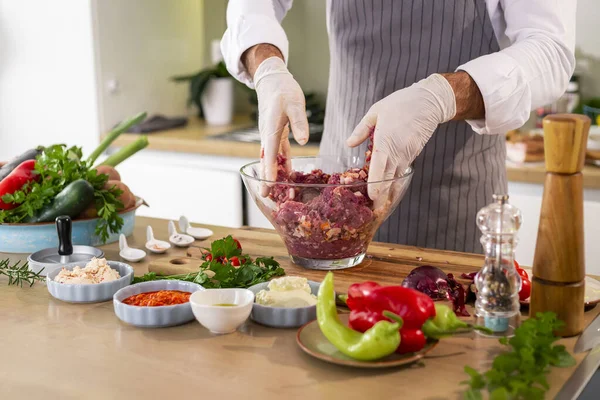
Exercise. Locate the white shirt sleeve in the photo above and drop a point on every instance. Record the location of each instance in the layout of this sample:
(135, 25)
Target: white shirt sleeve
(251, 22)
(535, 66)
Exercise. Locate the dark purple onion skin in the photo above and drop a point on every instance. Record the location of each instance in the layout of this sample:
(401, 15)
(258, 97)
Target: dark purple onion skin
(471, 291)
(436, 284)
(470, 276)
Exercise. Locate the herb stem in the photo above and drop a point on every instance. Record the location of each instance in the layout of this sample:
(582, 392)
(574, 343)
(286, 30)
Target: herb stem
(113, 134)
(124, 153)
(18, 274)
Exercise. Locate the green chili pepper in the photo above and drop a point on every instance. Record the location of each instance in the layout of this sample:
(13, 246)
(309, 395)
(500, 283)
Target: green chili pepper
(380, 340)
(446, 323)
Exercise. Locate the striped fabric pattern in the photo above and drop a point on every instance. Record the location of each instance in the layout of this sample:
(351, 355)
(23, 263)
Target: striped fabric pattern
(380, 46)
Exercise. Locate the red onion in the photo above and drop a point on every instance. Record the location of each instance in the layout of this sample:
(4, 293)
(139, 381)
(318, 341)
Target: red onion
(436, 284)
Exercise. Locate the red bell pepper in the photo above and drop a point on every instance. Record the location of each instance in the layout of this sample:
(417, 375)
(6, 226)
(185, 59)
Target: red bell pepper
(14, 181)
(369, 303)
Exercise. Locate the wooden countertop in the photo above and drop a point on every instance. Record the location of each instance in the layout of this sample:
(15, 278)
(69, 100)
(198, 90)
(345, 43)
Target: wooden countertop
(56, 350)
(195, 138)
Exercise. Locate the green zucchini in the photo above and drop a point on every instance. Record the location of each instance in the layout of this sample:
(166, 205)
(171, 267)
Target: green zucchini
(71, 201)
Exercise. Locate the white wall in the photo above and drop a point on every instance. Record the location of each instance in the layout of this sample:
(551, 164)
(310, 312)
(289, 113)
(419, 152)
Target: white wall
(140, 45)
(47, 88)
(588, 16)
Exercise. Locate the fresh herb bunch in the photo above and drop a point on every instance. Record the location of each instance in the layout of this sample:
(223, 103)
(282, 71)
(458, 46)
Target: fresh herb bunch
(221, 273)
(521, 372)
(58, 166)
(18, 274)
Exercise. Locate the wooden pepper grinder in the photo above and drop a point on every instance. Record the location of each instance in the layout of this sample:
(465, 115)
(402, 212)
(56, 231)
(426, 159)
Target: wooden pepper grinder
(559, 263)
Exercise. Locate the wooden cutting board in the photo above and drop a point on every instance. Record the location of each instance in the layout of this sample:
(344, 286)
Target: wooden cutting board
(592, 155)
(174, 265)
(194, 252)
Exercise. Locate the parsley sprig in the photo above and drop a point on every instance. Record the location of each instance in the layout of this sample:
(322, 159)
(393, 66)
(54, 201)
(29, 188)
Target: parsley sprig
(520, 373)
(58, 166)
(219, 273)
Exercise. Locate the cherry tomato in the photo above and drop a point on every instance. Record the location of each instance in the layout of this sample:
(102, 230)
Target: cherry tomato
(238, 244)
(235, 261)
(522, 273)
(209, 257)
(525, 291)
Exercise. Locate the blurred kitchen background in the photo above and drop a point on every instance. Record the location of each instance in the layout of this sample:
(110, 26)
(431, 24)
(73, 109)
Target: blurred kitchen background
(72, 69)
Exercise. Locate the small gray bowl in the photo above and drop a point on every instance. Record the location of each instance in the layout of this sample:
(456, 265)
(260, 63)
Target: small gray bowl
(280, 317)
(155, 317)
(92, 293)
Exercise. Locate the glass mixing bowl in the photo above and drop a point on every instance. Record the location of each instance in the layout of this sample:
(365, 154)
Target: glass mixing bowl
(325, 225)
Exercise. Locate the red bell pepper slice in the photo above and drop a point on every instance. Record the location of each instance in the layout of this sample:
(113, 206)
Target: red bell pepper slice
(14, 181)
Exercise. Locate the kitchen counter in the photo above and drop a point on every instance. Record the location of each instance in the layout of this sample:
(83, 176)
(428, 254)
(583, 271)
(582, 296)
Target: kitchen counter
(60, 350)
(195, 139)
(536, 173)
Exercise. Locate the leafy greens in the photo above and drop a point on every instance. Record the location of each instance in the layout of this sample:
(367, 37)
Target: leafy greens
(520, 373)
(58, 166)
(221, 273)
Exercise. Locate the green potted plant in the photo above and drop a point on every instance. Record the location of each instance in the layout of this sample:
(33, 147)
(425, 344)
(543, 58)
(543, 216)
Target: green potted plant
(211, 90)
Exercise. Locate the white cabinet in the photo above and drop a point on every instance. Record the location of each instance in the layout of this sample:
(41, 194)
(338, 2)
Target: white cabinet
(206, 189)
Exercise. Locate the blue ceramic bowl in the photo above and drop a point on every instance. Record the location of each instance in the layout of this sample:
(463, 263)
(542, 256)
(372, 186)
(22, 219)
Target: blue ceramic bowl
(29, 238)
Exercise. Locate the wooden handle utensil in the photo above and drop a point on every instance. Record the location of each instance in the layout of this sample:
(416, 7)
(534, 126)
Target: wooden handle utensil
(559, 262)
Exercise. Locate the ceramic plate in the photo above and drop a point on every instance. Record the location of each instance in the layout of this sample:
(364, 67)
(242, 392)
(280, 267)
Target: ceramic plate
(592, 290)
(311, 341)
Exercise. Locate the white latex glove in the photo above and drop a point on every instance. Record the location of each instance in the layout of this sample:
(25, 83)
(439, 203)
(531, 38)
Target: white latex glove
(281, 104)
(403, 122)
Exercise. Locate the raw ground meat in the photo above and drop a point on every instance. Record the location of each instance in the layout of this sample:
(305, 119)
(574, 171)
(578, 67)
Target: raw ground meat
(324, 222)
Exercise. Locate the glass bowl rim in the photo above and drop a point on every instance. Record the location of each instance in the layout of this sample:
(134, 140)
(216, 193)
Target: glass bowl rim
(404, 176)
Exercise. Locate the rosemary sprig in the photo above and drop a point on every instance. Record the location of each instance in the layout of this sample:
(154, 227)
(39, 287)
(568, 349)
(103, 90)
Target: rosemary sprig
(17, 274)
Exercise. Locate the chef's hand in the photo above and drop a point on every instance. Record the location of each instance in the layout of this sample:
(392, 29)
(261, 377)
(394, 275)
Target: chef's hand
(403, 123)
(281, 105)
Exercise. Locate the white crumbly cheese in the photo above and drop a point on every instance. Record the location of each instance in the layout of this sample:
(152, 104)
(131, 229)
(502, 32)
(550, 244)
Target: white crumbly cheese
(287, 292)
(96, 271)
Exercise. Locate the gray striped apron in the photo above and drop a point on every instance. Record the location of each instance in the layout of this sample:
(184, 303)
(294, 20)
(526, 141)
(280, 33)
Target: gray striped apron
(380, 46)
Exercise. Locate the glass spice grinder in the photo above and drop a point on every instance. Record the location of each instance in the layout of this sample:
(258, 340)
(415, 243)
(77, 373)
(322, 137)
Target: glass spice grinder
(498, 284)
